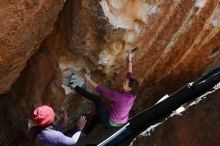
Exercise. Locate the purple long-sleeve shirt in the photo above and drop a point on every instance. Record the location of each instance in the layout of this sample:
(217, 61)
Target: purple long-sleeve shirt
(122, 103)
(50, 137)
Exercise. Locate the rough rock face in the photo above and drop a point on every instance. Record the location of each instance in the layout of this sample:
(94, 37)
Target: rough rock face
(197, 126)
(181, 41)
(24, 25)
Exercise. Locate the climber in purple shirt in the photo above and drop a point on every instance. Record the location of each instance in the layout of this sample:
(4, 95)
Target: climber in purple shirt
(121, 101)
(43, 133)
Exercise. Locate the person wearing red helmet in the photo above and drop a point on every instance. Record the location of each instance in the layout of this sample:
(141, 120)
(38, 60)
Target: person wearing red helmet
(44, 135)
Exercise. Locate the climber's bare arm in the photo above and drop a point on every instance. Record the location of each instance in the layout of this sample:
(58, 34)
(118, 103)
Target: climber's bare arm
(130, 62)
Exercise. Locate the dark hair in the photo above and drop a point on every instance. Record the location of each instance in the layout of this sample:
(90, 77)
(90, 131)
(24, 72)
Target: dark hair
(34, 135)
(133, 84)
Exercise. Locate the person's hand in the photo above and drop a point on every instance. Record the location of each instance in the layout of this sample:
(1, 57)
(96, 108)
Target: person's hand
(132, 53)
(65, 118)
(87, 77)
(81, 122)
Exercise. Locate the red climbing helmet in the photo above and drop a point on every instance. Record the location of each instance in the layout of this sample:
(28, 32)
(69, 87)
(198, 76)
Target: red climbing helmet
(43, 115)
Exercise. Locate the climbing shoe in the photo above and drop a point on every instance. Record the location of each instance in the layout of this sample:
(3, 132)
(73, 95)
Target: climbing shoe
(76, 79)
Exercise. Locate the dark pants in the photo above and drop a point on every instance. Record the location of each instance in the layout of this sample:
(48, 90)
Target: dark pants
(102, 112)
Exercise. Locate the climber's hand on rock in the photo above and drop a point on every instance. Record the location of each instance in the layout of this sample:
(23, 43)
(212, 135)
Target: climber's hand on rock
(81, 122)
(65, 118)
(132, 53)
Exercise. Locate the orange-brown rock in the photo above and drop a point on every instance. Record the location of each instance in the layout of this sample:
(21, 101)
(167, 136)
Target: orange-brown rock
(181, 41)
(24, 25)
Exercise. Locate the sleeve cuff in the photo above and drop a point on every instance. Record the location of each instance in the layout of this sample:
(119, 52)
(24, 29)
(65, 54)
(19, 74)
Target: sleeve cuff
(78, 130)
(98, 88)
(129, 75)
